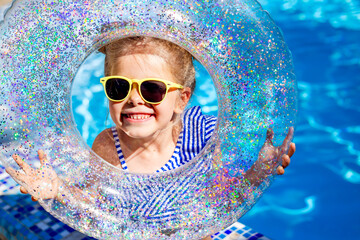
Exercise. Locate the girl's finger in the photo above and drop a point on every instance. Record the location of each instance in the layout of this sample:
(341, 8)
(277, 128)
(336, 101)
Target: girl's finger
(292, 149)
(280, 170)
(42, 157)
(287, 139)
(23, 190)
(34, 199)
(15, 174)
(285, 161)
(22, 164)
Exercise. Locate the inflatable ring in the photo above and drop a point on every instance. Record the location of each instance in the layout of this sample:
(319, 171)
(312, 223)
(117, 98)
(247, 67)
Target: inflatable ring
(42, 45)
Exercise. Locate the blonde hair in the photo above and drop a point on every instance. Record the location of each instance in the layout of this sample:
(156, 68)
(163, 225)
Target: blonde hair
(178, 59)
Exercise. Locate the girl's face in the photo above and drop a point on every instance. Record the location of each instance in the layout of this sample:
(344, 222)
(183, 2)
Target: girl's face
(135, 117)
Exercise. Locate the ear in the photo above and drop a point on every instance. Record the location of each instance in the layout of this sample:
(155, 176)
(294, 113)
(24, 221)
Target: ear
(183, 100)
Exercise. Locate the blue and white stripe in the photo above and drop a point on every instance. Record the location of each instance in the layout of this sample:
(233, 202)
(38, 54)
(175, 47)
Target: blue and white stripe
(118, 149)
(156, 203)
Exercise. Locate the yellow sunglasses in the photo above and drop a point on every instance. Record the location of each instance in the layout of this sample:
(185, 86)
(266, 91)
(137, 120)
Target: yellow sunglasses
(152, 90)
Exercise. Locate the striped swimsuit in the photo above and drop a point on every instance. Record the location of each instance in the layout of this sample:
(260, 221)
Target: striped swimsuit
(197, 130)
(142, 197)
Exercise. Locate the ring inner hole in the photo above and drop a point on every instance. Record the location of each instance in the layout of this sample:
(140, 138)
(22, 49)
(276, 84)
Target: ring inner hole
(90, 105)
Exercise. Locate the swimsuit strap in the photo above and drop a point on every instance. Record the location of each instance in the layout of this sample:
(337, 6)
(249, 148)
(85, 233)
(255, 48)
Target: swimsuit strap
(118, 149)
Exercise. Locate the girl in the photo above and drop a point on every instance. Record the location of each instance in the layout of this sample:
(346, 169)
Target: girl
(149, 83)
(147, 115)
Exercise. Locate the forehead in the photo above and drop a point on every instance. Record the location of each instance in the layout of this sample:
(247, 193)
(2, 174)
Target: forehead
(139, 66)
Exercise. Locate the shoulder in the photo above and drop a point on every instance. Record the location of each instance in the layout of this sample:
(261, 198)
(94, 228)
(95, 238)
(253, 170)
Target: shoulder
(104, 137)
(104, 146)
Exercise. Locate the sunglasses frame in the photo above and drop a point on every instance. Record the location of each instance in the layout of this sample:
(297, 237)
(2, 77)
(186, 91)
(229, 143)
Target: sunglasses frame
(168, 85)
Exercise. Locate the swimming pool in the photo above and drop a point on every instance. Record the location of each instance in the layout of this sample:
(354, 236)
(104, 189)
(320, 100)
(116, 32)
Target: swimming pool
(318, 196)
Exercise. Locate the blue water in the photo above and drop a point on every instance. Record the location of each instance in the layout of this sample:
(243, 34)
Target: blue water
(319, 195)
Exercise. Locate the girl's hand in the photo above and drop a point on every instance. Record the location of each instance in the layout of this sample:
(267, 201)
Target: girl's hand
(271, 155)
(42, 182)
(286, 159)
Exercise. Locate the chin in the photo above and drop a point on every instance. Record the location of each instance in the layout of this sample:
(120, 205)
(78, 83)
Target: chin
(138, 134)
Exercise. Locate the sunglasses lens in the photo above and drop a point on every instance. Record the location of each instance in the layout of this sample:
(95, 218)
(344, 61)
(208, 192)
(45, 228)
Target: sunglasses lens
(153, 91)
(117, 88)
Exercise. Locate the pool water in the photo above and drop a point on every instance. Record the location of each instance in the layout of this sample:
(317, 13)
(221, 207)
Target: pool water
(318, 197)
(319, 194)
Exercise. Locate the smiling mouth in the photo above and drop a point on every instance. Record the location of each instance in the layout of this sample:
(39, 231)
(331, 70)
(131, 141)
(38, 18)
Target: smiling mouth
(137, 116)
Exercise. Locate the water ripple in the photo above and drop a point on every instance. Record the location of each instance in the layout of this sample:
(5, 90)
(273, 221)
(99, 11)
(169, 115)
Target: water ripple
(338, 13)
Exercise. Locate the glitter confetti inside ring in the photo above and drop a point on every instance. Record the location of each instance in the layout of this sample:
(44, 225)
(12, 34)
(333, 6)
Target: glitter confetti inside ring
(43, 43)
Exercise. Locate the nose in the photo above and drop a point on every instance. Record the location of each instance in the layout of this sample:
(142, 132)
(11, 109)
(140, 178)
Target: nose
(134, 96)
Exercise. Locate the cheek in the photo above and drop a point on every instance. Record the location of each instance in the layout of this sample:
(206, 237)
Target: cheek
(168, 107)
(115, 109)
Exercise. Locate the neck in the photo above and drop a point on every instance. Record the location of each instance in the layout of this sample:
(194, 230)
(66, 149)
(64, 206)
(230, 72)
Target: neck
(154, 150)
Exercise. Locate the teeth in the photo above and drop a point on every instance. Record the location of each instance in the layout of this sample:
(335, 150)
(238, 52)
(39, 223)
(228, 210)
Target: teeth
(138, 116)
